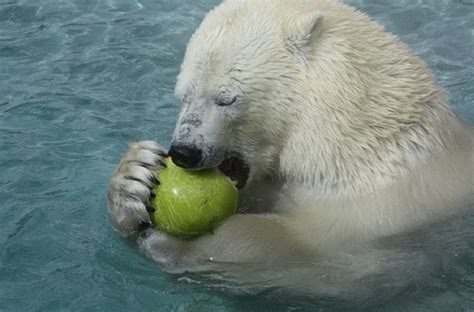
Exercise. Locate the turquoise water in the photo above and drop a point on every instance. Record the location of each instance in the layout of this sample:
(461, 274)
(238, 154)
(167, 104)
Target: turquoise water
(81, 78)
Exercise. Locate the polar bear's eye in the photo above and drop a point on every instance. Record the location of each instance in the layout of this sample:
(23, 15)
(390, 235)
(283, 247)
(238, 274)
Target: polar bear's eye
(226, 100)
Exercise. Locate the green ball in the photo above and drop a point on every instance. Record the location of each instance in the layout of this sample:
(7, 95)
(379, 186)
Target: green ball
(190, 203)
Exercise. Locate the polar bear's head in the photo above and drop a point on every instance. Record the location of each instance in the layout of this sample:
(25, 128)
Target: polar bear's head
(309, 91)
(235, 86)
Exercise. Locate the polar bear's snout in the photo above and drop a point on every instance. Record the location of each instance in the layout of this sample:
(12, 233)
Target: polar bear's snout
(202, 140)
(201, 137)
(194, 145)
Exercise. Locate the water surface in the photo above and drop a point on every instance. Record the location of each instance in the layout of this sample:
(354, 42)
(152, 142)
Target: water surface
(81, 78)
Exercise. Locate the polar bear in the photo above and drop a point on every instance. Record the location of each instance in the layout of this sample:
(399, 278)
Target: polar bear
(336, 133)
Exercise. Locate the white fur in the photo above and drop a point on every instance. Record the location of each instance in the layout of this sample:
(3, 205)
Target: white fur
(341, 124)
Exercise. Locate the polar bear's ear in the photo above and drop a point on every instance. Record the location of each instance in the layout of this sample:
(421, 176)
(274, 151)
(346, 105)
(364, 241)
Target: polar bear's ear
(304, 30)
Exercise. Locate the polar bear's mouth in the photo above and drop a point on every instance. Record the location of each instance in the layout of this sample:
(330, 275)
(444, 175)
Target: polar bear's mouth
(236, 170)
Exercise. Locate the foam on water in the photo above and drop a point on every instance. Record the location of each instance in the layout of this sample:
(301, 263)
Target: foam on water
(81, 78)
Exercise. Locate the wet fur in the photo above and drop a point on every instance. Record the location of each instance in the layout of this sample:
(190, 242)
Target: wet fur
(342, 126)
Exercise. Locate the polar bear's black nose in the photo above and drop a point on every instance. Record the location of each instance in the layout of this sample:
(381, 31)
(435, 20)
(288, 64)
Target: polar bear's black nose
(185, 156)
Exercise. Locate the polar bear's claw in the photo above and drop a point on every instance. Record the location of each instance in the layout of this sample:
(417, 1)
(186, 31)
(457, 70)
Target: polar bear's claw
(131, 185)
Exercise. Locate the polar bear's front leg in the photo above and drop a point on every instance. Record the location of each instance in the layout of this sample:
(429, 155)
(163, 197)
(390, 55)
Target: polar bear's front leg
(243, 238)
(130, 186)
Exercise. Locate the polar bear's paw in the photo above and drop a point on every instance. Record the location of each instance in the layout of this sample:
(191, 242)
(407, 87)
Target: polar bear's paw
(128, 197)
(171, 253)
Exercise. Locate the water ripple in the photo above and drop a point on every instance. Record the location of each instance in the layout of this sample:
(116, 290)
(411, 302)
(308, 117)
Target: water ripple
(79, 79)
